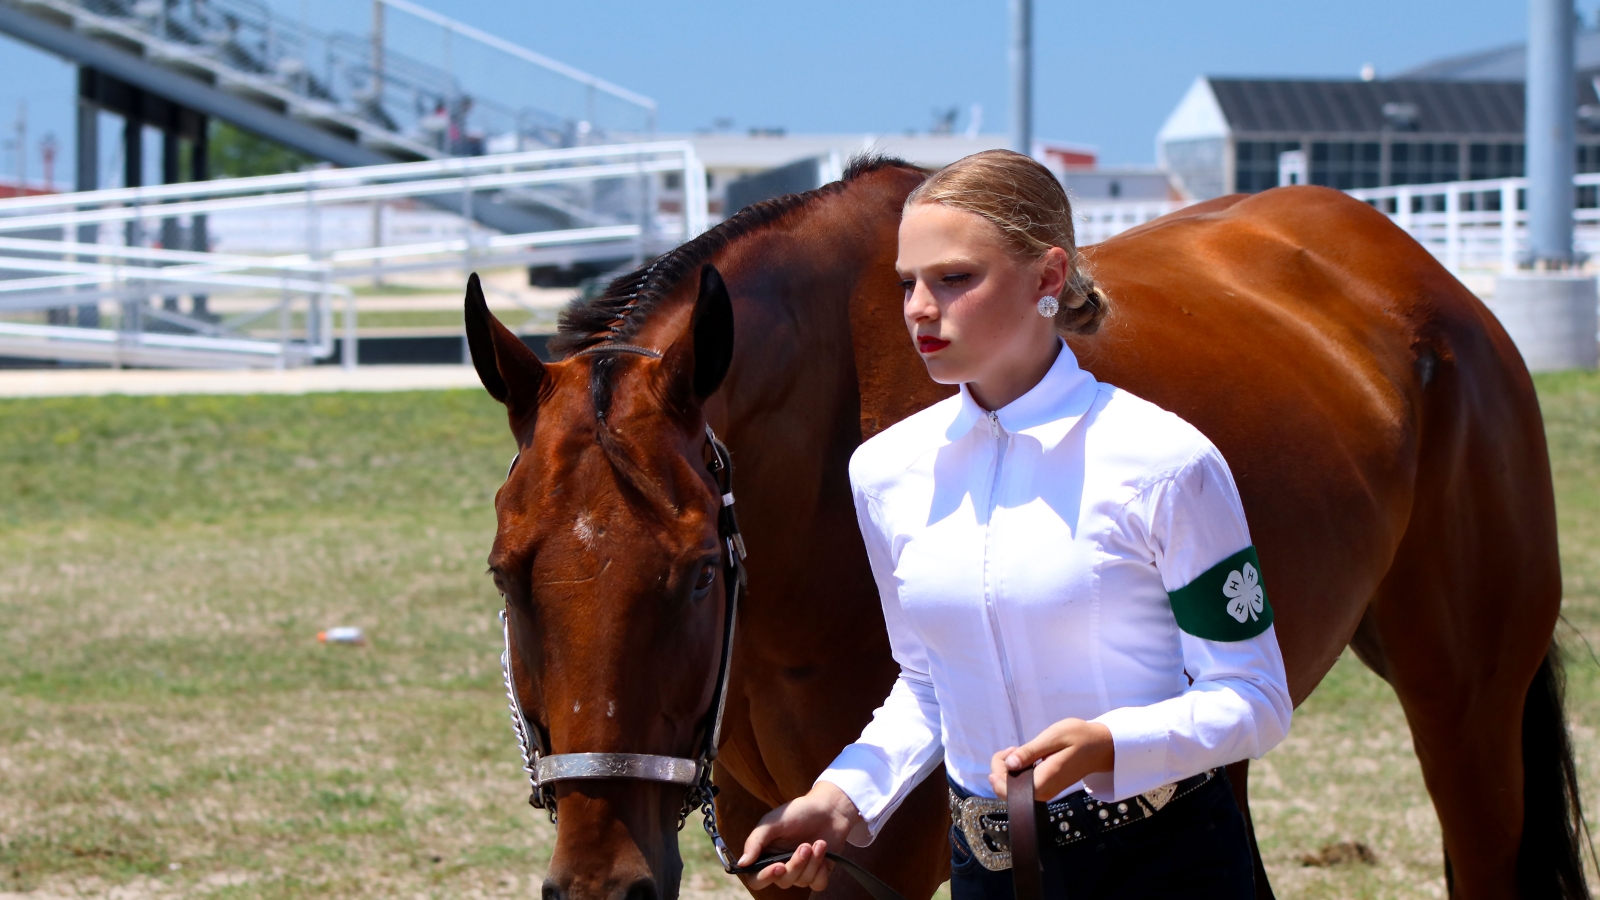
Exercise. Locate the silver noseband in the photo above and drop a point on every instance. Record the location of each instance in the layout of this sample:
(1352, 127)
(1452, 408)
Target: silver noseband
(639, 766)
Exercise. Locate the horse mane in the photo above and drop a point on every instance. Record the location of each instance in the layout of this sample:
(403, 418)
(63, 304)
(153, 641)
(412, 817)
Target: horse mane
(617, 313)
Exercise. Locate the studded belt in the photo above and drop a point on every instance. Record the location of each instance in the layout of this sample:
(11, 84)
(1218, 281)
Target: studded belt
(1073, 818)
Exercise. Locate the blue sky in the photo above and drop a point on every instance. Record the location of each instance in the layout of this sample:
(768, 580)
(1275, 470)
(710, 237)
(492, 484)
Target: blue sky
(1107, 73)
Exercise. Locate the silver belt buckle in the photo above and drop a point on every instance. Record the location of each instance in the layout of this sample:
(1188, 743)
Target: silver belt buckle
(982, 821)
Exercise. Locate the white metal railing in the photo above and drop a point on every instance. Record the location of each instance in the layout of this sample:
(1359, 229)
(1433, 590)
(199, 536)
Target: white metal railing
(1101, 219)
(1480, 225)
(98, 253)
(1467, 225)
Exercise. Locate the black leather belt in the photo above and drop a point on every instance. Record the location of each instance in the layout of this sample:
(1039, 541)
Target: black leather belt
(1073, 818)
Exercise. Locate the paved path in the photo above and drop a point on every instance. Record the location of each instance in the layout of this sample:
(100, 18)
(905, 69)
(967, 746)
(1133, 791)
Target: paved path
(311, 379)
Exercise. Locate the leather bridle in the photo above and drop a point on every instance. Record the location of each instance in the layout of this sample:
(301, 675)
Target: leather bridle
(545, 769)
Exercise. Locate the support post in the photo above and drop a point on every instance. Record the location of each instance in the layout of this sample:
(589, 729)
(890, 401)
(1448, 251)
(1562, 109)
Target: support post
(1452, 229)
(199, 237)
(171, 156)
(1022, 76)
(132, 176)
(377, 54)
(348, 349)
(86, 176)
(1550, 312)
(1508, 227)
(1551, 133)
(377, 241)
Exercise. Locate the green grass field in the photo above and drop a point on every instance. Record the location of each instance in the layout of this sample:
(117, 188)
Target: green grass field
(169, 725)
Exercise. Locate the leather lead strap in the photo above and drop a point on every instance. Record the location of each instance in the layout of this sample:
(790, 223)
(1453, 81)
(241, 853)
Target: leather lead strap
(868, 881)
(1022, 824)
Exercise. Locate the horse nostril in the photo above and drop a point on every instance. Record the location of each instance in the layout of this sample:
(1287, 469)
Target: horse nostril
(643, 889)
(552, 891)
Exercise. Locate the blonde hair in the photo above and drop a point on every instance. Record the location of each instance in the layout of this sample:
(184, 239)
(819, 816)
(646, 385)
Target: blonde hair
(1027, 204)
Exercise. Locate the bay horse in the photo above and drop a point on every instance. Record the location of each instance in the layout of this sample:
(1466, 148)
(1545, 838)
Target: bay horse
(1383, 431)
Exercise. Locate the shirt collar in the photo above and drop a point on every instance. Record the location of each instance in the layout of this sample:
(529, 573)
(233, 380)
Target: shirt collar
(1046, 412)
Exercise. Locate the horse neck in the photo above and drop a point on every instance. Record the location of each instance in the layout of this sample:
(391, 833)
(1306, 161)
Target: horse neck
(793, 286)
(790, 410)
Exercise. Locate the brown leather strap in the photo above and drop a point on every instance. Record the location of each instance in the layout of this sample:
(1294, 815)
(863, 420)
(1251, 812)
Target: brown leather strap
(869, 882)
(1022, 825)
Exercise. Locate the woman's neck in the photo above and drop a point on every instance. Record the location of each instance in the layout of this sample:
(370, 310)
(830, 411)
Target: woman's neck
(1014, 377)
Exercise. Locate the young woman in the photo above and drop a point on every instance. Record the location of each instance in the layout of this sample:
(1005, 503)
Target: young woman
(1067, 580)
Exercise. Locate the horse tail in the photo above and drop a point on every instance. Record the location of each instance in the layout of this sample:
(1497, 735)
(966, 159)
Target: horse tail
(1554, 832)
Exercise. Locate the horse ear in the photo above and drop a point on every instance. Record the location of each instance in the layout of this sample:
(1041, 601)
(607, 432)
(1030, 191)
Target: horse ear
(510, 372)
(710, 337)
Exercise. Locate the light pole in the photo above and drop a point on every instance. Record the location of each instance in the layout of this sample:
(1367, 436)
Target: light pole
(1551, 134)
(1022, 76)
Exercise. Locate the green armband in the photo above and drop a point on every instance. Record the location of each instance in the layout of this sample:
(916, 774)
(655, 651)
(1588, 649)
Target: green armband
(1227, 602)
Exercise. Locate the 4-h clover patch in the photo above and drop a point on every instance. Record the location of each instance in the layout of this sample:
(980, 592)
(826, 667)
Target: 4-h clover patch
(1227, 602)
(1246, 599)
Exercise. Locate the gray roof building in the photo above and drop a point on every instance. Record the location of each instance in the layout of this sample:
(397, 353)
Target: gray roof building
(1230, 134)
(1258, 106)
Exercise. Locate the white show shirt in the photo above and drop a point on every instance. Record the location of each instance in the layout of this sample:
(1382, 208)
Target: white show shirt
(1024, 558)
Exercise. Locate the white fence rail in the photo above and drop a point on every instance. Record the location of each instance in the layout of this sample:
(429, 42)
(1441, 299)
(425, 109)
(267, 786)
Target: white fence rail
(1468, 225)
(101, 255)
(1101, 219)
(1475, 225)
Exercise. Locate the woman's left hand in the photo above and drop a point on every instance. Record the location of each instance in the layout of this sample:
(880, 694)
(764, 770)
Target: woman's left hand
(1065, 752)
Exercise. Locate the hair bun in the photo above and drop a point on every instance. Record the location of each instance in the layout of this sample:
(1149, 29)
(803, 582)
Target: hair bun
(1089, 304)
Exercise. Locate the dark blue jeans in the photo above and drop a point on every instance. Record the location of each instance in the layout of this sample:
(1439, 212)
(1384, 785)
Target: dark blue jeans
(1195, 848)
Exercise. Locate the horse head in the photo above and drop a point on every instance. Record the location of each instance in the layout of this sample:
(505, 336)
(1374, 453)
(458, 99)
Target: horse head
(610, 561)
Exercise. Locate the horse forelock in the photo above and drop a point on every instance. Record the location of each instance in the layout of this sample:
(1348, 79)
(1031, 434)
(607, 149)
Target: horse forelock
(624, 429)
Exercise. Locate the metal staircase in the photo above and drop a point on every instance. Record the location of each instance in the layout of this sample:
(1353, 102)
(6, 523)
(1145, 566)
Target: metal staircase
(352, 100)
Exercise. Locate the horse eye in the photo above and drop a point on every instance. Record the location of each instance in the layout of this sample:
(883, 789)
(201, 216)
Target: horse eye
(708, 574)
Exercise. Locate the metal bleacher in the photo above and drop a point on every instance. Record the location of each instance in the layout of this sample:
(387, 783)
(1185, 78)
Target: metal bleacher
(346, 98)
(520, 158)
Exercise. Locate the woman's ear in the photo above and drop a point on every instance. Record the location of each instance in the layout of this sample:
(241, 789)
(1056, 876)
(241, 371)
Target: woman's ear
(1054, 271)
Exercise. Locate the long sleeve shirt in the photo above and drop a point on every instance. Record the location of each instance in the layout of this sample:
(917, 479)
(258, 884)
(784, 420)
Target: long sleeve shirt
(1080, 553)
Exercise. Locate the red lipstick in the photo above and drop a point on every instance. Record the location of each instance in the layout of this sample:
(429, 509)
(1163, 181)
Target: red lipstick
(927, 343)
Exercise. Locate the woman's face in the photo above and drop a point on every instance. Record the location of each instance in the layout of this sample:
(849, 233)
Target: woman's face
(970, 304)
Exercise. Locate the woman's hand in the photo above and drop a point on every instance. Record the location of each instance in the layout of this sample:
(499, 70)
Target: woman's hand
(821, 819)
(1065, 752)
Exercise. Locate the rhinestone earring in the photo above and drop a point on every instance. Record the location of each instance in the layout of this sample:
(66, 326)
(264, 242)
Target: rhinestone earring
(1049, 306)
